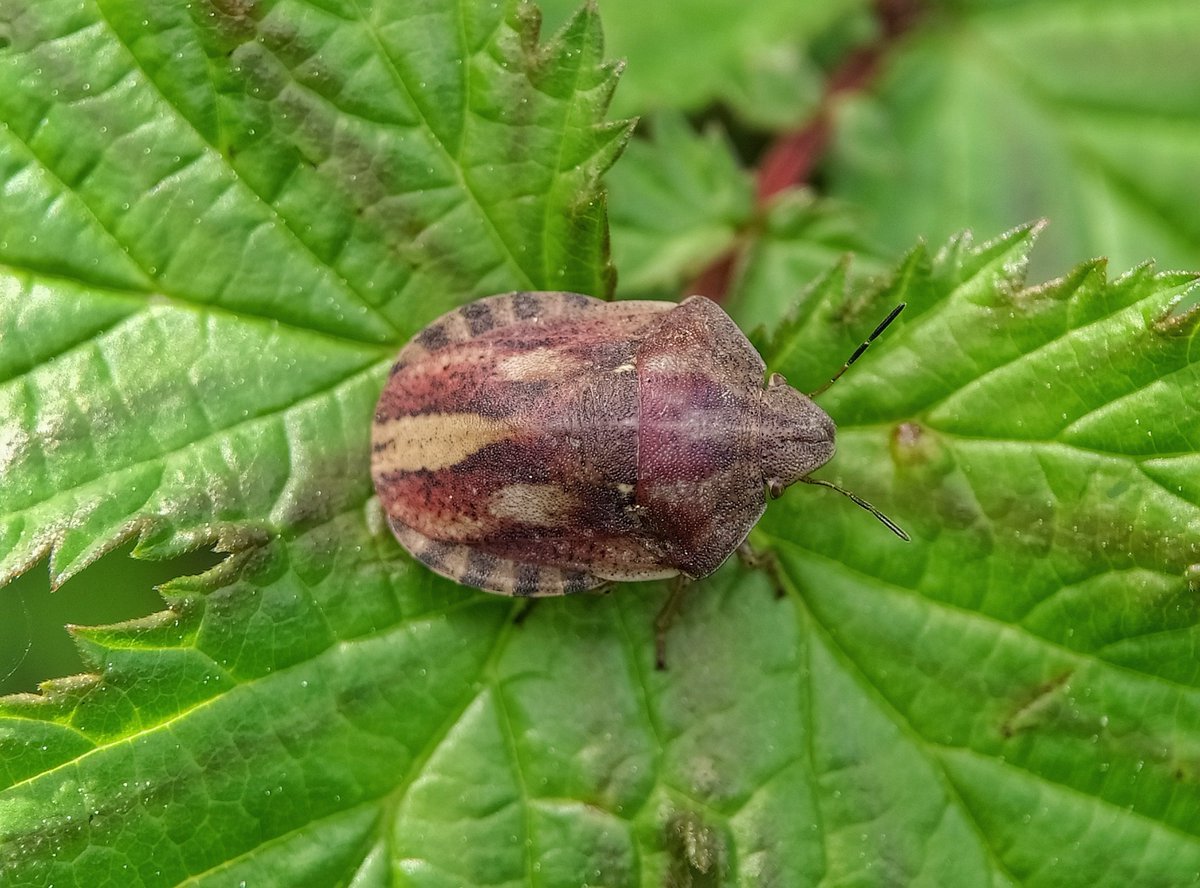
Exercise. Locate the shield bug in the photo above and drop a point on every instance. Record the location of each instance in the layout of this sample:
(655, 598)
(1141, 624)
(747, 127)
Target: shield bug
(545, 443)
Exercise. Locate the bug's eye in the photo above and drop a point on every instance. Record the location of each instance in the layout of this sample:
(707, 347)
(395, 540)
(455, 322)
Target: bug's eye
(775, 487)
(776, 380)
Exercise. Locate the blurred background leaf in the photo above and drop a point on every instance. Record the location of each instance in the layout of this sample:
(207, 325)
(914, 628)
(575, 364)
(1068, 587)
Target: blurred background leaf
(921, 119)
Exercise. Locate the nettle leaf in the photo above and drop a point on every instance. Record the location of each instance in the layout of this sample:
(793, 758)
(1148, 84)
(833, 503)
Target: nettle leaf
(1015, 697)
(221, 221)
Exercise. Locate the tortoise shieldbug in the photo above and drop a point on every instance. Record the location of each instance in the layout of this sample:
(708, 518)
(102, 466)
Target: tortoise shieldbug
(543, 443)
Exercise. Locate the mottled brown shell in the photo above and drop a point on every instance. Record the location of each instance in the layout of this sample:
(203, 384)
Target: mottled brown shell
(544, 443)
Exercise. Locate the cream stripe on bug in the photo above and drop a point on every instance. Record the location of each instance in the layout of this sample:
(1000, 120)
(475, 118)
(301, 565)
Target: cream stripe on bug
(434, 441)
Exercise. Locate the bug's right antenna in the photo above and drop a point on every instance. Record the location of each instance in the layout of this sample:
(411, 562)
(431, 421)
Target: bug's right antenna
(883, 325)
(883, 519)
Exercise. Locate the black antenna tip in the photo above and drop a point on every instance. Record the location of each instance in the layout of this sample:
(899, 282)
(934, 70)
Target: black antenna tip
(858, 352)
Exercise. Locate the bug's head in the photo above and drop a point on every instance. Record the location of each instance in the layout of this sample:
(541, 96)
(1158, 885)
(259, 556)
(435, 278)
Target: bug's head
(797, 436)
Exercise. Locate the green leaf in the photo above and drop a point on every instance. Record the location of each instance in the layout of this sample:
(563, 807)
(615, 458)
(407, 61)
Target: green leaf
(193, 341)
(1014, 696)
(991, 114)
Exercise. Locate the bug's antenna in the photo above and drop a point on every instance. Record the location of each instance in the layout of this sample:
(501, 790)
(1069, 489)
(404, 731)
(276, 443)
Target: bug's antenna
(884, 519)
(883, 325)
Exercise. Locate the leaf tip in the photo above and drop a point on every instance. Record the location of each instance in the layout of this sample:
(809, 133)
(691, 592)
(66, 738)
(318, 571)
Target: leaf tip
(1181, 317)
(55, 689)
(66, 561)
(583, 27)
(1033, 229)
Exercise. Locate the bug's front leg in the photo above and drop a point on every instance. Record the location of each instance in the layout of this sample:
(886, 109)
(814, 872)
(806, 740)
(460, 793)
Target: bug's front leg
(764, 560)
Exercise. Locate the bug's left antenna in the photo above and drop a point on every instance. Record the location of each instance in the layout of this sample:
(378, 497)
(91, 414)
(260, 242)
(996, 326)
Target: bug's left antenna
(858, 352)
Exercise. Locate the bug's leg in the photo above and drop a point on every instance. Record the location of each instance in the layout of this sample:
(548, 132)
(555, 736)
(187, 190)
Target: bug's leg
(525, 610)
(666, 616)
(527, 607)
(764, 560)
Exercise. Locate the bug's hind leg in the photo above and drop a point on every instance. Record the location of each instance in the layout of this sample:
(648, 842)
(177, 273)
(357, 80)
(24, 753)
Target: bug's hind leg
(524, 611)
(666, 617)
(529, 604)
